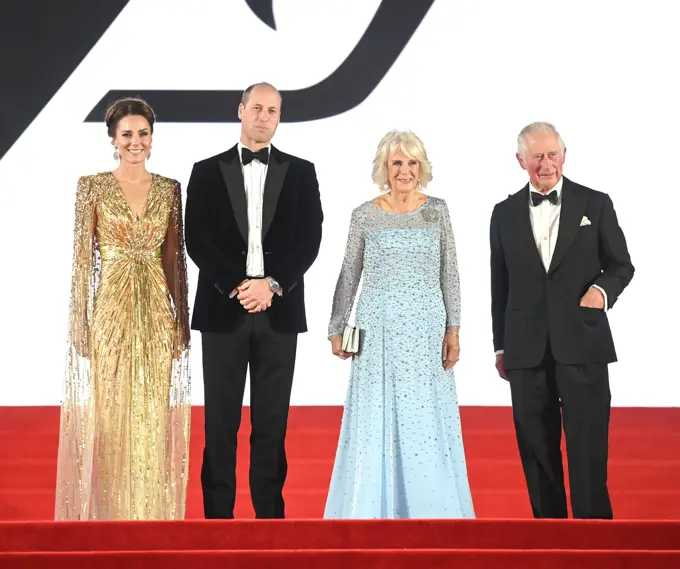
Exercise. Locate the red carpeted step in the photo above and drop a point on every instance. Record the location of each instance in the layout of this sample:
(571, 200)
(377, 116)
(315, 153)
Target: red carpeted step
(644, 464)
(640, 504)
(322, 443)
(329, 559)
(305, 504)
(40, 474)
(19, 420)
(315, 473)
(366, 534)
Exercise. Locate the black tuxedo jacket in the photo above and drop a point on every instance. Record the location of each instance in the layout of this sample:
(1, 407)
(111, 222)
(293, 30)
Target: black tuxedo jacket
(217, 237)
(531, 307)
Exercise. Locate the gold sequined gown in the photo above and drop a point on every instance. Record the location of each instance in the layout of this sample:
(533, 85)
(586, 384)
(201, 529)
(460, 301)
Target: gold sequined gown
(124, 433)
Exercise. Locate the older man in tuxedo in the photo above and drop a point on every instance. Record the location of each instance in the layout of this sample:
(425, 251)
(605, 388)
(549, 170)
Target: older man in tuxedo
(559, 262)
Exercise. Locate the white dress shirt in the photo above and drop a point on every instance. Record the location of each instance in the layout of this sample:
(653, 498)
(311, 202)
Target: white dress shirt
(254, 176)
(545, 224)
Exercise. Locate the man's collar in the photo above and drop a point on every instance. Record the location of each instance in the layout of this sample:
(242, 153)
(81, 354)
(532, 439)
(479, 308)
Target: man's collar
(557, 188)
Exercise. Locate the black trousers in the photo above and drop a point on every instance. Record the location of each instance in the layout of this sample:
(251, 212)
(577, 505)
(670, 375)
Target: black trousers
(542, 399)
(271, 357)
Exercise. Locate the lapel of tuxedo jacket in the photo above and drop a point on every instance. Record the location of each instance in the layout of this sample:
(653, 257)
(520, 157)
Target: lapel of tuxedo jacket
(574, 201)
(230, 165)
(521, 218)
(276, 173)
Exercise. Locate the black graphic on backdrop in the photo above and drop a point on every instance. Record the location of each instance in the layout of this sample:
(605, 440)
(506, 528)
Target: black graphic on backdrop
(41, 49)
(263, 9)
(41, 44)
(349, 85)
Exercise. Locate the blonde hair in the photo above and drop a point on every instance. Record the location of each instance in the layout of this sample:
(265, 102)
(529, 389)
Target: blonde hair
(411, 146)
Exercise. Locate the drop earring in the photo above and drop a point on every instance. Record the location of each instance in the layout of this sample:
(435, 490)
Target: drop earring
(116, 155)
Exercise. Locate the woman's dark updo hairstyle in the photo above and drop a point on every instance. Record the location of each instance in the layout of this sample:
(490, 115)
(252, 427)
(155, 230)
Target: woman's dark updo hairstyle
(126, 107)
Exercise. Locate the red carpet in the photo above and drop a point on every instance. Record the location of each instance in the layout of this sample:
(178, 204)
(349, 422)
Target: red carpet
(644, 483)
(299, 544)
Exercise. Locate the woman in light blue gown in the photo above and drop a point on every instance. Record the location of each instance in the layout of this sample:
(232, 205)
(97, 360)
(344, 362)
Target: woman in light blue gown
(400, 453)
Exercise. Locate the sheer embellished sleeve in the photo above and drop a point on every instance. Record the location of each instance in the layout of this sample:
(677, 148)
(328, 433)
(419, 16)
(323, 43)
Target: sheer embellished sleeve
(350, 275)
(175, 268)
(450, 279)
(74, 463)
(84, 269)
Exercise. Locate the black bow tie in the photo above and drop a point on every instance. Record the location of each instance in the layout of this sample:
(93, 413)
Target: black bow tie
(537, 199)
(247, 155)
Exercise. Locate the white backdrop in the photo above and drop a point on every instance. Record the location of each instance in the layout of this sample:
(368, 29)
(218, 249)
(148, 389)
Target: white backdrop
(475, 72)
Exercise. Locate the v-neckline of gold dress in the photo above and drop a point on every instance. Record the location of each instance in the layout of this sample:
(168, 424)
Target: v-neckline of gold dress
(144, 211)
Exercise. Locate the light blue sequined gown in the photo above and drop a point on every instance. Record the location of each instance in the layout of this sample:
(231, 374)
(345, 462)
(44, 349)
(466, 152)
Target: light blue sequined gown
(400, 453)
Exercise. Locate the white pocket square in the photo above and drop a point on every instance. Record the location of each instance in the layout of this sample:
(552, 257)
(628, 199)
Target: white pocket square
(585, 221)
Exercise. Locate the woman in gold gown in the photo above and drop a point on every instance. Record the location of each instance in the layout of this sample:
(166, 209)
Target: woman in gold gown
(125, 417)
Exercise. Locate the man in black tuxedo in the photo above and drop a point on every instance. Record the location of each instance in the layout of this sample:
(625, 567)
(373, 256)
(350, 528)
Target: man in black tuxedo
(253, 228)
(559, 262)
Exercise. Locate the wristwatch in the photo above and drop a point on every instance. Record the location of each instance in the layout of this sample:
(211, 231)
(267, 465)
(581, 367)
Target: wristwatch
(273, 285)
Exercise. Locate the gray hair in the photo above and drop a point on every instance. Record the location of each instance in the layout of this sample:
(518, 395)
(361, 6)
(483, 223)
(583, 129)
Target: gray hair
(534, 127)
(249, 90)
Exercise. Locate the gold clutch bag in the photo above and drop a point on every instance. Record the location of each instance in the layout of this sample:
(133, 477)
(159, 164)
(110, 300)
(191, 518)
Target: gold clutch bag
(350, 339)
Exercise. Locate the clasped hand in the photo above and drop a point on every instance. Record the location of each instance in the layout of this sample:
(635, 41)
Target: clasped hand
(255, 295)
